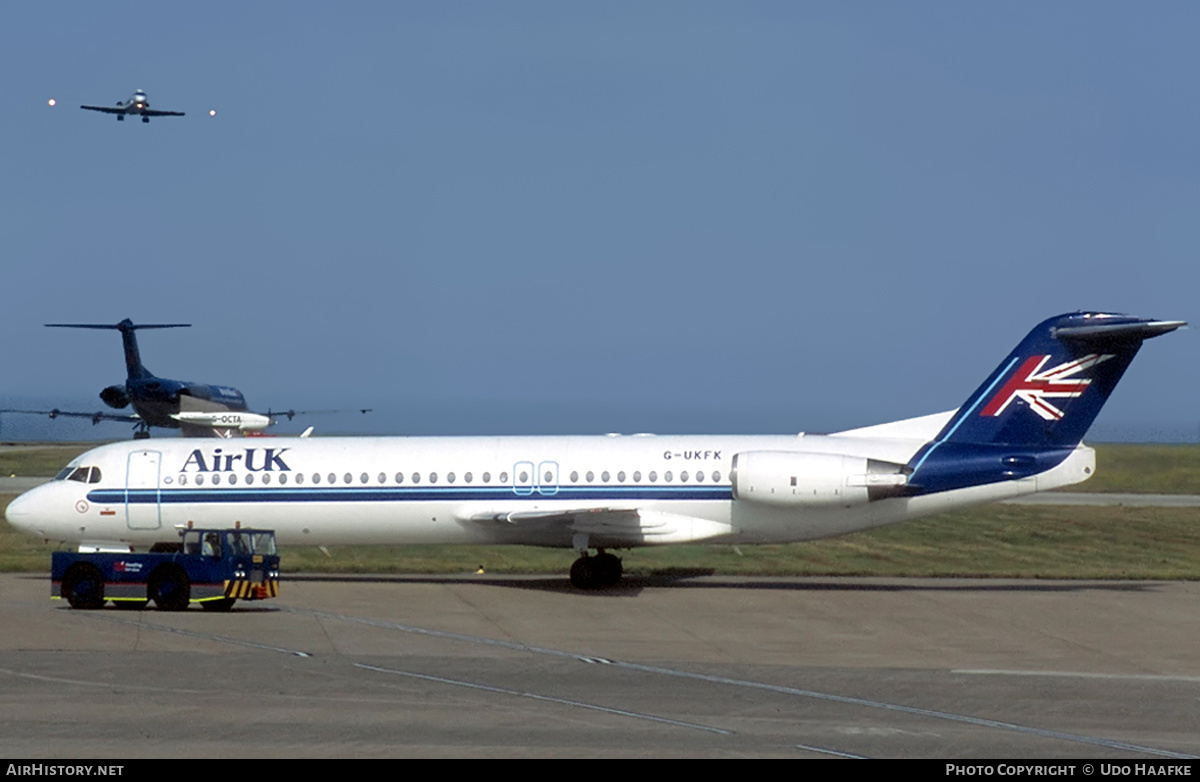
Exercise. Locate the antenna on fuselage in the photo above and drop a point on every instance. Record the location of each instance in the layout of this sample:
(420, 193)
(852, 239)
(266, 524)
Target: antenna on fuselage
(133, 358)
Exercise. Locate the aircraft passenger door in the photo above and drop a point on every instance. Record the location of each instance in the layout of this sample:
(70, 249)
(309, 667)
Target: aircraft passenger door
(142, 494)
(548, 478)
(524, 478)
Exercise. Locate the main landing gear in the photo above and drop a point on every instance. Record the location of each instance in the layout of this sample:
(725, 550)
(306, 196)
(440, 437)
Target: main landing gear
(598, 572)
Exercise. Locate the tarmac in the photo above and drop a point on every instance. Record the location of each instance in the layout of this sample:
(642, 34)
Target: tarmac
(482, 666)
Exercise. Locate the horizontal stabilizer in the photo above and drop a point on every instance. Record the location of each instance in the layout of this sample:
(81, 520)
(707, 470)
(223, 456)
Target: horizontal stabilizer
(125, 325)
(1117, 331)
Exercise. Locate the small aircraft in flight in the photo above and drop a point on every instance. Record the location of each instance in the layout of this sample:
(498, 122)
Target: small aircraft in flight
(1020, 432)
(198, 409)
(138, 104)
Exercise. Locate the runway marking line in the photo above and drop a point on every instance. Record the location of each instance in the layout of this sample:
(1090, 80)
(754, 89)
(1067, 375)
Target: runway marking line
(1141, 677)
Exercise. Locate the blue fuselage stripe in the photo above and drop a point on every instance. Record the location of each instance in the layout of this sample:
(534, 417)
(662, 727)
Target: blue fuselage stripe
(964, 417)
(403, 494)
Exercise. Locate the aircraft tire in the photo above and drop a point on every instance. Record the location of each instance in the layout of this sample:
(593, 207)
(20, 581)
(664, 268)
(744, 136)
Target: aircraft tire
(83, 586)
(608, 569)
(598, 572)
(170, 589)
(583, 574)
(223, 604)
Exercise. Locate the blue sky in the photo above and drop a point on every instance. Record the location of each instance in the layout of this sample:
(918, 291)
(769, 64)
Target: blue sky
(530, 217)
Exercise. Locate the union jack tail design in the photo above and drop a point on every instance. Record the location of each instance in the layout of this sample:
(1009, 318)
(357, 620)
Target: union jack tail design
(1060, 376)
(1034, 386)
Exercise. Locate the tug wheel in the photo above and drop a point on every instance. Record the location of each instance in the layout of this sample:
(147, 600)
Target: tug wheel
(170, 589)
(83, 586)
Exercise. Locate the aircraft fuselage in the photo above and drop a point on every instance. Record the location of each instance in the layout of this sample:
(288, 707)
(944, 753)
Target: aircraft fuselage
(621, 491)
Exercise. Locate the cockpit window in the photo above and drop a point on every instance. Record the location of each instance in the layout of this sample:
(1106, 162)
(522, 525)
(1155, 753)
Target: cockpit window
(81, 474)
(63, 473)
(95, 477)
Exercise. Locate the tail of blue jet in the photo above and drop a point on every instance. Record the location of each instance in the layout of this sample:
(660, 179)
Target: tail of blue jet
(133, 357)
(1035, 408)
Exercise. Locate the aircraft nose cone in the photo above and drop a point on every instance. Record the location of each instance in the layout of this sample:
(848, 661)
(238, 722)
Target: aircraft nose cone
(19, 513)
(30, 513)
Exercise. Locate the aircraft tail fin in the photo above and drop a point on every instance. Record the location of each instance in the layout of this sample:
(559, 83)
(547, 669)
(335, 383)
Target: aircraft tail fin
(1035, 408)
(133, 358)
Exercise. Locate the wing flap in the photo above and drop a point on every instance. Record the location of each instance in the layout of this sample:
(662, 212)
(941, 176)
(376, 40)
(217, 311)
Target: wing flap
(614, 527)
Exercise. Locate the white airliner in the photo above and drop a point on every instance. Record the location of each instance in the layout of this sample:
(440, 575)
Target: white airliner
(1019, 433)
(138, 104)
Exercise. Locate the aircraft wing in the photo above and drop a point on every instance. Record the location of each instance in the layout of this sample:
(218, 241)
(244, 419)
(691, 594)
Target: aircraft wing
(157, 113)
(96, 417)
(105, 109)
(605, 527)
